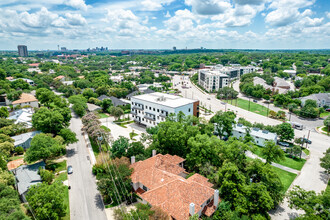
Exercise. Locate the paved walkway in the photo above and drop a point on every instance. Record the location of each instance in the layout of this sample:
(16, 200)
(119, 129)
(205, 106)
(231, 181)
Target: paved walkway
(251, 155)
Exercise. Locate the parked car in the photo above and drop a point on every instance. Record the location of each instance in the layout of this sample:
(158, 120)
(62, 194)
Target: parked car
(70, 169)
(208, 98)
(305, 140)
(328, 109)
(284, 144)
(255, 101)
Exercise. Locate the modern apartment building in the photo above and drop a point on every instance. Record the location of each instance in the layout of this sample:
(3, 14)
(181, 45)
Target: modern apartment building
(212, 80)
(153, 108)
(22, 51)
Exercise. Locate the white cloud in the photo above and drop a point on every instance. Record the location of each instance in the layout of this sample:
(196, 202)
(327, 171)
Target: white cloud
(327, 14)
(125, 23)
(79, 4)
(286, 12)
(250, 2)
(75, 19)
(168, 15)
(40, 19)
(154, 5)
(208, 7)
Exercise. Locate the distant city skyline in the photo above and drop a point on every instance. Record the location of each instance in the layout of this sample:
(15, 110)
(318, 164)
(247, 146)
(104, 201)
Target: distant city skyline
(164, 24)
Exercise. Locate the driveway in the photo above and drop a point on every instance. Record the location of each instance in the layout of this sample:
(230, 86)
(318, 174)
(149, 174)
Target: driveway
(85, 200)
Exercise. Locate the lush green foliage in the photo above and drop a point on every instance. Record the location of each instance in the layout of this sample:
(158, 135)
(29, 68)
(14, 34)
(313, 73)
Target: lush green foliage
(47, 201)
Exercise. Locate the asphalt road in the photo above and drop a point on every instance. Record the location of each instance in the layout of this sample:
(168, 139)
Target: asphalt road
(311, 177)
(308, 123)
(85, 200)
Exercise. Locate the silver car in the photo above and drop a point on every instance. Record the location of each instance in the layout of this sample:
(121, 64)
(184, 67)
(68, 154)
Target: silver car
(70, 169)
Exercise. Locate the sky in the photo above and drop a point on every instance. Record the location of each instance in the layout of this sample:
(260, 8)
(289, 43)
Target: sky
(163, 24)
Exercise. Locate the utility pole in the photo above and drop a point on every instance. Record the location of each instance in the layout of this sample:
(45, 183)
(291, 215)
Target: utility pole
(309, 132)
(267, 108)
(302, 144)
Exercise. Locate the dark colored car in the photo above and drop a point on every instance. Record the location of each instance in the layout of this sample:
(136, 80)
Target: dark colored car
(284, 144)
(305, 140)
(70, 169)
(255, 101)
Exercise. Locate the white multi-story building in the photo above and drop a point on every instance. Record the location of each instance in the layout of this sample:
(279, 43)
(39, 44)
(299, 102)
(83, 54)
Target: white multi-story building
(259, 136)
(212, 80)
(153, 108)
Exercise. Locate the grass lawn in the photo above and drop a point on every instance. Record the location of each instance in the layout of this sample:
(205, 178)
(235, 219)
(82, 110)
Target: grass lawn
(60, 178)
(325, 129)
(102, 115)
(122, 124)
(296, 163)
(285, 177)
(324, 114)
(244, 104)
(95, 147)
(57, 167)
(306, 151)
(105, 128)
(15, 157)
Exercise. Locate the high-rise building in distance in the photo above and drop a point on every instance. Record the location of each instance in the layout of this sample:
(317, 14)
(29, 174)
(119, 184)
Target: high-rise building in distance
(22, 51)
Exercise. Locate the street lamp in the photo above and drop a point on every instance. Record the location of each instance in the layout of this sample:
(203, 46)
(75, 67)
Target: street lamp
(249, 103)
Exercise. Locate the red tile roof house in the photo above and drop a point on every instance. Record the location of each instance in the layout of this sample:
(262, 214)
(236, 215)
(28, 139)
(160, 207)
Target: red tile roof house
(160, 181)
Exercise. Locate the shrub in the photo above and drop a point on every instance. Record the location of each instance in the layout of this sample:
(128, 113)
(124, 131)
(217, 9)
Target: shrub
(46, 176)
(19, 150)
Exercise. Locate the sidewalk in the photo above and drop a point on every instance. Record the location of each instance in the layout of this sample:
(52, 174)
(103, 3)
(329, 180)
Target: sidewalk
(251, 155)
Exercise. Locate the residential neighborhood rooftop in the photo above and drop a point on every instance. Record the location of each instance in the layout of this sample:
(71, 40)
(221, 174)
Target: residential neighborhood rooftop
(24, 98)
(168, 189)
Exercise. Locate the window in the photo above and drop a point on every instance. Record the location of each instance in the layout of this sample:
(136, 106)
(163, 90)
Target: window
(189, 110)
(208, 201)
(157, 110)
(154, 109)
(149, 108)
(144, 188)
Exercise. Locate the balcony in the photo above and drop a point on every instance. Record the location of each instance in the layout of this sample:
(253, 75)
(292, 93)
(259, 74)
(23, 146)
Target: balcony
(138, 107)
(164, 114)
(133, 113)
(152, 118)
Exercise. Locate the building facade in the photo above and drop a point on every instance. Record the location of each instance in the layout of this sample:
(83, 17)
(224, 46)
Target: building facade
(22, 51)
(151, 109)
(259, 136)
(212, 80)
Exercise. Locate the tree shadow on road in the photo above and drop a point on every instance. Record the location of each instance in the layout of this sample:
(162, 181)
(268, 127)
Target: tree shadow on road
(70, 152)
(98, 202)
(324, 177)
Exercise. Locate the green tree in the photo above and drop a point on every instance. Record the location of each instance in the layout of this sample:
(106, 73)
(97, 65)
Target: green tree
(43, 147)
(258, 199)
(119, 147)
(326, 123)
(3, 74)
(4, 138)
(203, 149)
(325, 161)
(172, 137)
(315, 206)
(135, 149)
(4, 112)
(285, 131)
(272, 152)
(88, 93)
(51, 120)
(68, 136)
(46, 176)
(106, 104)
(224, 122)
(80, 108)
(47, 201)
(19, 150)
(10, 204)
(45, 96)
(6, 148)
(116, 112)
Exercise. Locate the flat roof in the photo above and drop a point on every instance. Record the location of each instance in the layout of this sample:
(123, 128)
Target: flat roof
(164, 99)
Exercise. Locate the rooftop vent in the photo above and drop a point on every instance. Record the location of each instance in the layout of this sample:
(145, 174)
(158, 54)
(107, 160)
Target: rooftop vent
(265, 131)
(239, 125)
(161, 99)
(256, 129)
